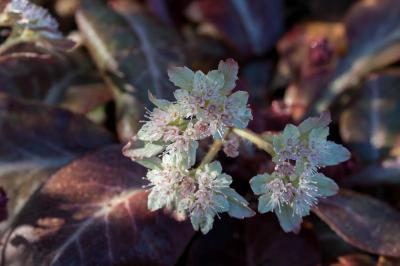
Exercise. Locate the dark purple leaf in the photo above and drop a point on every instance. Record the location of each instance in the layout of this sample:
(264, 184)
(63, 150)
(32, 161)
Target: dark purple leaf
(362, 221)
(133, 51)
(255, 241)
(94, 212)
(35, 140)
(251, 26)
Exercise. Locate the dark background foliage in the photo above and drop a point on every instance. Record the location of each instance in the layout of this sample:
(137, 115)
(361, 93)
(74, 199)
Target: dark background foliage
(68, 196)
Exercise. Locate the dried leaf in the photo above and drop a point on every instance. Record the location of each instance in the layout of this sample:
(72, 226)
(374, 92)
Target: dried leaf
(94, 212)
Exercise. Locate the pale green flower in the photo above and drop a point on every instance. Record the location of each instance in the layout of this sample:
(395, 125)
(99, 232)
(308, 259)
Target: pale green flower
(164, 183)
(295, 185)
(208, 97)
(205, 106)
(215, 196)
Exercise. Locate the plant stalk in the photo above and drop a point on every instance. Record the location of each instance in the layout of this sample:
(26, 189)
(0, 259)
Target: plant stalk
(212, 152)
(255, 139)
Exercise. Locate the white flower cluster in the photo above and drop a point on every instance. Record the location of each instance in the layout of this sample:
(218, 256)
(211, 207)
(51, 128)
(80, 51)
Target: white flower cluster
(205, 106)
(32, 22)
(295, 185)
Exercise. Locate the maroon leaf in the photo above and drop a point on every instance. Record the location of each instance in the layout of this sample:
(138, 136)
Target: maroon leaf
(252, 27)
(94, 212)
(255, 241)
(362, 221)
(3, 205)
(35, 140)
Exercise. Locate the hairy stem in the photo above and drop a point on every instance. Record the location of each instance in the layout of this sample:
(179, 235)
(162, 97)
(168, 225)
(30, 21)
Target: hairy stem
(255, 139)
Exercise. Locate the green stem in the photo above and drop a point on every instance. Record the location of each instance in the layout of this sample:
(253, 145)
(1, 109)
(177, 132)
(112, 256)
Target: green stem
(255, 139)
(212, 152)
(8, 44)
(214, 149)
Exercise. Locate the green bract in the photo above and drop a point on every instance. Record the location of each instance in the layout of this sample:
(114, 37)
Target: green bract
(295, 185)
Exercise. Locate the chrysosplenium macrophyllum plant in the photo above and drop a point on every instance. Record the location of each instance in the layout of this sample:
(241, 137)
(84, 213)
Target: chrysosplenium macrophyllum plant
(32, 23)
(205, 106)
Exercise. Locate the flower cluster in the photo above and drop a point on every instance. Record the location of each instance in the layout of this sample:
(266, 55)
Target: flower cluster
(295, 185)
(205, 107)
(30, 22)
